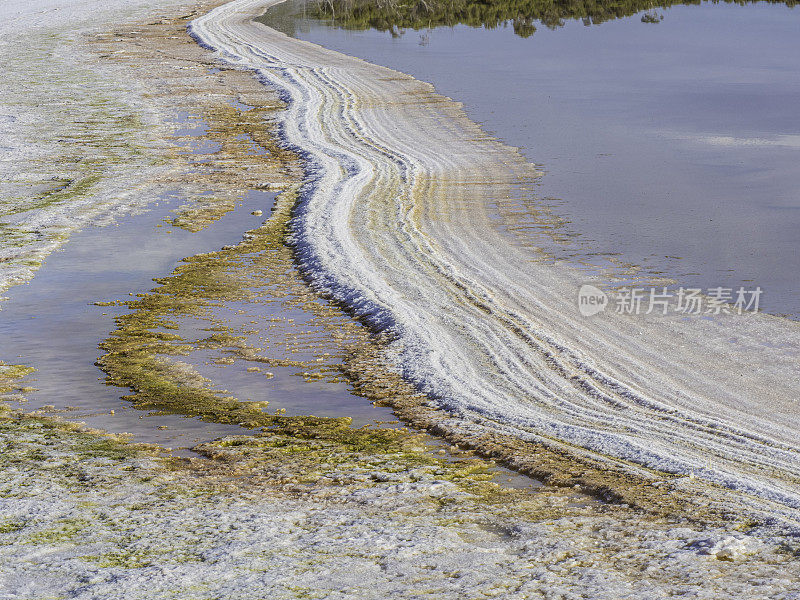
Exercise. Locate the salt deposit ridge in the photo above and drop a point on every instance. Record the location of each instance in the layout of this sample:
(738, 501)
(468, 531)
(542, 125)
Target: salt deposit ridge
(397, 223)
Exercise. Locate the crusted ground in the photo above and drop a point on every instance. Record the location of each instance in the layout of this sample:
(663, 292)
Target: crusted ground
(294, 513)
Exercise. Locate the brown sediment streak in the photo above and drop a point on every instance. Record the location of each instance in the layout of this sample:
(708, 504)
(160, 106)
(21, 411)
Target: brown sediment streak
(396, 222)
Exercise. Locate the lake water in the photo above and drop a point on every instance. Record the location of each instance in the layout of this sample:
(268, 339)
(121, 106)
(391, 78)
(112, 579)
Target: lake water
(673, 146)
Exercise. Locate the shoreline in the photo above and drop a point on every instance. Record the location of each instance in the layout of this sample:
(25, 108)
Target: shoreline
(578, 389)
(576, 219)
(306, 506)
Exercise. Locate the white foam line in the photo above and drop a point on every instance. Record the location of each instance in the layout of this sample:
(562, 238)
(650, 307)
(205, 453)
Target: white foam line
(395, 222)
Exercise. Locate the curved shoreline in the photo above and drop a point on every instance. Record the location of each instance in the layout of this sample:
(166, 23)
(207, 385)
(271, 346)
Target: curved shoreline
(396, 226)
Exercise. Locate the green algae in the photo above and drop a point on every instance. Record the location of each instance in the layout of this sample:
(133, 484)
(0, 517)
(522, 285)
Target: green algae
(129, 558)
(15, 237)
(64, 193)
(10, 375)
(84, 443)
(66, 531)
(11, 525)
(140, 355)
(124, 559)
(236, 132)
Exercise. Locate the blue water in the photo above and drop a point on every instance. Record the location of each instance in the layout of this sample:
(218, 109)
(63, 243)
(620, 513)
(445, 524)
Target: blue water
(672, 146)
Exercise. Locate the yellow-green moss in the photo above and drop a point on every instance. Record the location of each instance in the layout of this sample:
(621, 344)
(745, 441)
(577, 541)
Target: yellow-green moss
(11, 374)
(11, 525)
(67, 530)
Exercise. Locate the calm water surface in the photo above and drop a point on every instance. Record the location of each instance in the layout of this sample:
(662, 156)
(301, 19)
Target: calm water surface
(674, 146)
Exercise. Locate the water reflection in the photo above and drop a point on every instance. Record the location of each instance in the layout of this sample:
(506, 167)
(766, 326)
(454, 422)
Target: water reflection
(522, 15)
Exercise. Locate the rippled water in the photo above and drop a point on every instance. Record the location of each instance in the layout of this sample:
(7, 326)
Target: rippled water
(674, 146)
